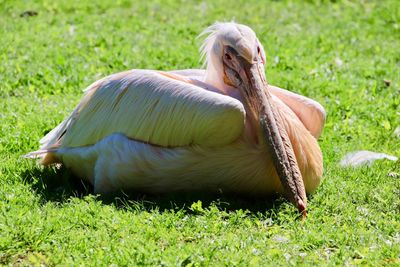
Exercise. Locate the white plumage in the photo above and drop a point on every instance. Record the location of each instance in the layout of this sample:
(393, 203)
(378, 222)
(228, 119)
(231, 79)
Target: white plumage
(160, 131)
(156, 108)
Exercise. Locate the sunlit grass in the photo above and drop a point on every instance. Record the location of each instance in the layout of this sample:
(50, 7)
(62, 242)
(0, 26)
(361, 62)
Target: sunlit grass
(345, 55)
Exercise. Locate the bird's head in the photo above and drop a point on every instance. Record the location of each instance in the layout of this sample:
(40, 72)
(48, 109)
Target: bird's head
(235, 58)
(227, 47)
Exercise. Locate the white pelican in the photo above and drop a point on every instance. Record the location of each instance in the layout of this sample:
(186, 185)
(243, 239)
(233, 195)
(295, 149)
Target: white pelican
(223, 128)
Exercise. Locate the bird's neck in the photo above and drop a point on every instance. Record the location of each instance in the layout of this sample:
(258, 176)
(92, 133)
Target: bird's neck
(213, 77)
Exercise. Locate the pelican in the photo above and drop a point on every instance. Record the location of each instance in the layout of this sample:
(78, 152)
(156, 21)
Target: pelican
(222, 128)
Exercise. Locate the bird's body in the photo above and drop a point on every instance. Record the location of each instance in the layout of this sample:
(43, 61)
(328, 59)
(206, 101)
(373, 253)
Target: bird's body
(157, 131)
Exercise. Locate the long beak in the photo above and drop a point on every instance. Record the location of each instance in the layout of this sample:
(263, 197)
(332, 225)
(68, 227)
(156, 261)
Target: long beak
(268, 119)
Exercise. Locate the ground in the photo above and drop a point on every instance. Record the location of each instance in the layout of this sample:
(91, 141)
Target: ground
(344, 54)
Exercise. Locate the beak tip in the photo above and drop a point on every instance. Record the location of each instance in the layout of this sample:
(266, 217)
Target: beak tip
(302, 208)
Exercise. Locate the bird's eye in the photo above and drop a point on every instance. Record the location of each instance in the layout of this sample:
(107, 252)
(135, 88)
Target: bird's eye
(258, 50)
(228, 57)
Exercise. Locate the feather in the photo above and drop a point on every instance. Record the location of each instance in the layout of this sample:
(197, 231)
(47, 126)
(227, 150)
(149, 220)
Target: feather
(153, 108)
(363, 157)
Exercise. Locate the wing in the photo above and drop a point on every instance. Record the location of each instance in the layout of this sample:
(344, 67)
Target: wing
(309, 111)
(159, 108)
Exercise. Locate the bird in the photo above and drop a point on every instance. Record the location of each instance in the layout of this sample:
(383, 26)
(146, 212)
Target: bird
(220, 128)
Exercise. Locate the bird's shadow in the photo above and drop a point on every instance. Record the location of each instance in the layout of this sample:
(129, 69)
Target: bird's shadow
(59, 185)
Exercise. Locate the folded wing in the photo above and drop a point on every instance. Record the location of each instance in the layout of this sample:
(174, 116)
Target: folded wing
(159, 108)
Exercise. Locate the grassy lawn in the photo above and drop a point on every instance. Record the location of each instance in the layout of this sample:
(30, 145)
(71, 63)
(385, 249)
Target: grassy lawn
(339, 53)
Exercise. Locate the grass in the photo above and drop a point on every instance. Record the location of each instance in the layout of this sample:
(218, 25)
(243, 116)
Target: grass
(339, 53)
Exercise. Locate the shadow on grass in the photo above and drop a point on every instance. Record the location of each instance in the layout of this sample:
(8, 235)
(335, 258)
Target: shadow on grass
(58, 185)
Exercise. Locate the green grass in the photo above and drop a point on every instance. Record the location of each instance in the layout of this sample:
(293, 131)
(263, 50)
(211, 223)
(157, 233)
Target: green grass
(48, 217)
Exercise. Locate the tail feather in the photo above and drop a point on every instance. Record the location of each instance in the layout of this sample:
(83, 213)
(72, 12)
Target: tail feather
(50, 143)
(52, 138)
(47, 156)
(36, 154)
